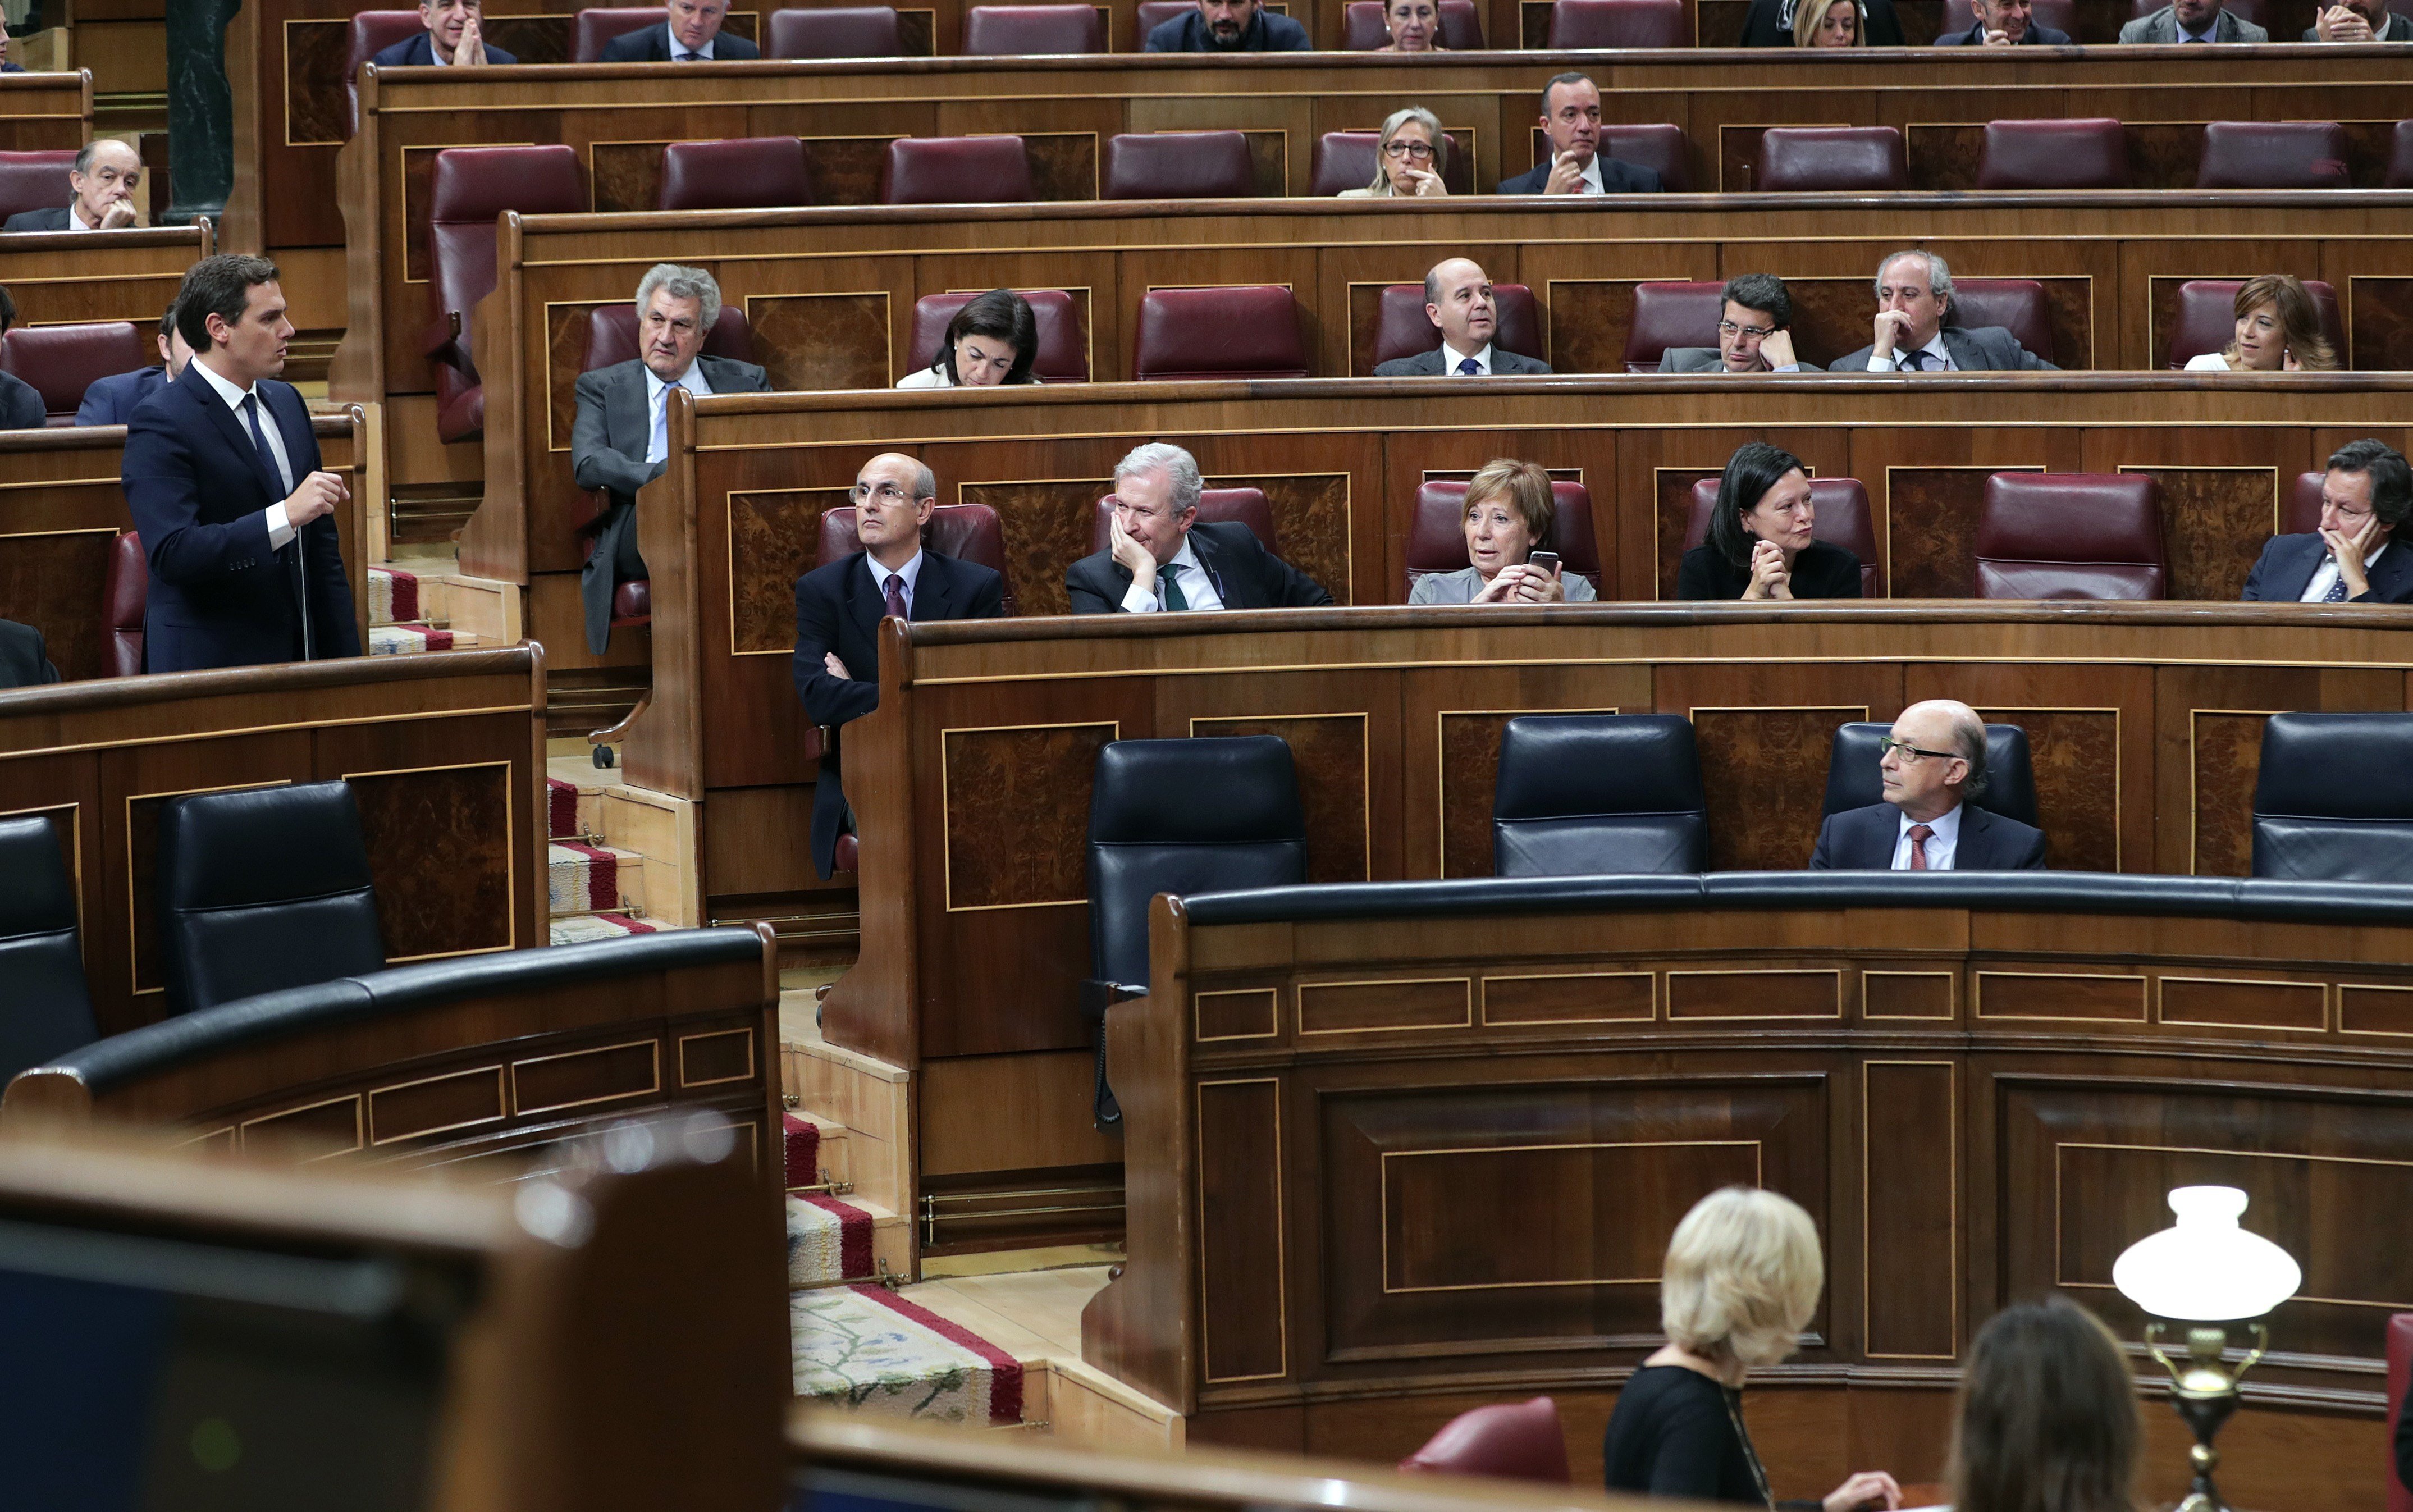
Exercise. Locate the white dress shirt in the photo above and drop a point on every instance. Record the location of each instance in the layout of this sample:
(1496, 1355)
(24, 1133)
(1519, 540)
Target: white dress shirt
(910, 572)
(1451, 357)
(1942, 846)
(657, 437)
(1893, 363)
(1197, 588)
(75, 219)
(279, 532)
(2327, 573)
(1592, 184)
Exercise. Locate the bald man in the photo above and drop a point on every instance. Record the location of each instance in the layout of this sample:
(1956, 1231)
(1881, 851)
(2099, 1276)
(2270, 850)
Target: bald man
(1459, 303)
(103, 180)
(839, 606)
(1932, 763)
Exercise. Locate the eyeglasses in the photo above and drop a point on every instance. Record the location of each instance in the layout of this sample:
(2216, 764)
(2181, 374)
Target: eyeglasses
(885, 493)
(1888, 746)
(1419, 150)
(1727, 328)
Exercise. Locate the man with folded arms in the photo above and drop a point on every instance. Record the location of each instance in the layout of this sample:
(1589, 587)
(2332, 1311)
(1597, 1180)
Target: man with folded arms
(1229, 26)
(455, 37)
(1914, 296)
(1755, 332)
(1459, 299)
(2352, 557)
(1162, 559)
(690, 33)
(1931, 763)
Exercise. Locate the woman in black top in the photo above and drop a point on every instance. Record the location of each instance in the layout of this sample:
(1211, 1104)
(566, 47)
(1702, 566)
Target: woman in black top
(1759, 544)
(1741, 1283)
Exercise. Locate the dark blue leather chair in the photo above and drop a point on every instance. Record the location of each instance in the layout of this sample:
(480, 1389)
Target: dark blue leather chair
(2334, 799)
(1590, 795)
(1206, 815)
(48, 1009)
(263, 889)
(1852, 783)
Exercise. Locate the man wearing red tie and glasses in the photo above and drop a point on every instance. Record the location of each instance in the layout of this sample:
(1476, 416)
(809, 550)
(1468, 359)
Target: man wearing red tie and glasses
(1933, 760)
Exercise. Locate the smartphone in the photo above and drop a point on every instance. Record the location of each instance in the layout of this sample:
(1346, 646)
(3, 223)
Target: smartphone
(1542, 561)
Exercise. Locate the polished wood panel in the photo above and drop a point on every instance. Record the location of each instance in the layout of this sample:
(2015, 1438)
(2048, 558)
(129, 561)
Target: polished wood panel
(45, 112)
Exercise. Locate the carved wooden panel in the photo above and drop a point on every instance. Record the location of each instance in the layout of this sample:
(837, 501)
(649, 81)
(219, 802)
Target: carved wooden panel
(2365, 1008)
(1935, 553)
(1241, 1014)
(1757, 993)
(317, 108)
(1673, 517)
(2233, 1003)
(2215, 522)
(1243, 1319)
(2379, 327)
(1063, 165)
(628, 175)
(2076, 754)
(774, 539)
(1312, 514)
(450, 821)
(845, 170)
(581, 1078)
(1375, 1007)
(1764, 813)
(1567, 998)
(1589, 321)
(811, 343)
(1908, 994)
(1910, 1121)
(436, 1104)
(334, 1126)
(1046, 525)
(1328, 751)
(2061, 995)
(2227, 762)
(53, 581)
(1016, 814)
(721, 1056)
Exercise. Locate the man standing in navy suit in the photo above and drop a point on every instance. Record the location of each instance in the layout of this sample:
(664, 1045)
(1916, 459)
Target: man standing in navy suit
(839, 606)
(222, 473)
(455, 38)
(2352, 558)
(1933, 763)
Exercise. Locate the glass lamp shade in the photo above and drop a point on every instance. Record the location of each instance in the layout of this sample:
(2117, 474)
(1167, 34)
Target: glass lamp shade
(2205, 1269)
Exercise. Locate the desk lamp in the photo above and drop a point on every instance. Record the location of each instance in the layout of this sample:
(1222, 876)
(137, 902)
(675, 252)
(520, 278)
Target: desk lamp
(2205, 1272)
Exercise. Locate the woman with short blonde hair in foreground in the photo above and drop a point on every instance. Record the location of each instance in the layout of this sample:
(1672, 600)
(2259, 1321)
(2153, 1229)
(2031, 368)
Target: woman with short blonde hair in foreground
(2047, 1419)
(1741, 1283)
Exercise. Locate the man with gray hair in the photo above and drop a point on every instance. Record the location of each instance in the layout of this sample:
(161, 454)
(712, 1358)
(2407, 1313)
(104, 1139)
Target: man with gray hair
(620, 440)
(102, 181)
(1161, 558)
(1932, 764)
(1913, 303)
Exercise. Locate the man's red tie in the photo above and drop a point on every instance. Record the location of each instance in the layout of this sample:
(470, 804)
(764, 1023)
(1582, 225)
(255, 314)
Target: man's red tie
(1920, 835)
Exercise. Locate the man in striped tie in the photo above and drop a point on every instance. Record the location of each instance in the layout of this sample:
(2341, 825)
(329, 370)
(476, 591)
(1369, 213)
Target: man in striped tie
(1911, 336)
(1932, 765)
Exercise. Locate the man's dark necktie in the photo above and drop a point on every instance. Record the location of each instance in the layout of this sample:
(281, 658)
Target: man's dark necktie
(1915, 362)
(1919, 836)
(296, 571)
(2337, 591)
(896, 595)
(1468, 368)
(1168, 581)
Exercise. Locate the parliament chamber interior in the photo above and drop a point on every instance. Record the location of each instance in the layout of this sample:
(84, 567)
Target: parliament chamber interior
(1285, 912)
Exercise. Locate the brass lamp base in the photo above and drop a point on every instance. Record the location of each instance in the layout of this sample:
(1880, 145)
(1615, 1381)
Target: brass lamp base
(2204, 1391)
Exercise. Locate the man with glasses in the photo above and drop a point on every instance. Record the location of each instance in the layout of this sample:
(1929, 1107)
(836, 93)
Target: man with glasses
(839, 606)
(1160, 559)
(1462, 305)
(1755, 332)
(1931, 763)
(2365, 495)
(620, 440)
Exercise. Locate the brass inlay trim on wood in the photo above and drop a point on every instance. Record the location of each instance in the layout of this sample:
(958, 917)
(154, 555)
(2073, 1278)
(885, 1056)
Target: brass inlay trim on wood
(1365, 756)
(946, 852)
(519, 1107)
(2344, 987)
(510, 854)
(1952, 1230)
(686, 1039)
(1951, 994)
(267, 1120)
(1273, 1015)
(1464, 983)
(1834, 972)
(1978, 992)
(2195, 799)
(2162, 1015)
(1282, 1239)
(376, 1138)
(1650, 980)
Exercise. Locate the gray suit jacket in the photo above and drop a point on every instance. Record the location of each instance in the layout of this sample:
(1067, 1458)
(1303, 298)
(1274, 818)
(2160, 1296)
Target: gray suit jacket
(50, 219)
(607, 448)
(1984, 348)
(2162, 27)
(1504, 363)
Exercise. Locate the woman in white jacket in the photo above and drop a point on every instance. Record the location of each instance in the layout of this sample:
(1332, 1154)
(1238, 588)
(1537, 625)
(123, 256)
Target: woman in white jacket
(992, 340)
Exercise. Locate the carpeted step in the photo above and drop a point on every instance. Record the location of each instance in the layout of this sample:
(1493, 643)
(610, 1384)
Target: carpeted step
(593, 879)
(394, 596)
(577, 929)
(838, 1239)
(561, 809)
(406, 640)
(865, 1348)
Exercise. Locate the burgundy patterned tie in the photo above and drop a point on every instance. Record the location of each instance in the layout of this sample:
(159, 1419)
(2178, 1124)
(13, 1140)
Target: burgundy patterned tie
(896, 595)
(1920, 833)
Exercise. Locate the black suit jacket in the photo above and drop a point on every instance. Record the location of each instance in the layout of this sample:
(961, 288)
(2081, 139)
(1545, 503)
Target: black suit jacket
(197, 486)
(838, 609)
(1863, 839)
(22, 662)
(1504, 363)
(54, 218)
(2287, 563)
(1767, 23)
(1245, 574)
(652, 44)
(2038, 34)
(20, 406)
(1615, 178)
(419, 53)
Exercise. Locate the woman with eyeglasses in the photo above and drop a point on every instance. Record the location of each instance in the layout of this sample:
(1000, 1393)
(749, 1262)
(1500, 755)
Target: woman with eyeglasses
(1414, 26)
(1414, 156)
(1760, 543)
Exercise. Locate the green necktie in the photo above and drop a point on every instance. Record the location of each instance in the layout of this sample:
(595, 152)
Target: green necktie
(1168, 581)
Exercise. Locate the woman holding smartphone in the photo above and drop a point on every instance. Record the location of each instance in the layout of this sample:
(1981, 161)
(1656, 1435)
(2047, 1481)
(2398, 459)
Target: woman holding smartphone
(1760, 543)
(1509, 514)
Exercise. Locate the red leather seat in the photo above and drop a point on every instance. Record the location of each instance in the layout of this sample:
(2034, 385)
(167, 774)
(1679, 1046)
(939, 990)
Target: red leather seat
(1844, 519)
(2207, 317)
(611, 336)
(1179, 165)
(2303, 514)
(1063, 347)
(837, 32)
(1522, 1442)
(2071, 535)
(123, 597)
(956, 170)
(1671, 314)
(599, 25)
(473, 186)
(1362, 29)
(1403, 329)
(1245, 506)
(2399, 158)
(845, 855)
(1437, 536)
(1345, 160)
(372, 33)
(62, 361)
(2400, 1367)
(739, 173)
(1657, 147)
(1032, 31)
(2273, 154)
(1591, 23)
(1155, 13)
(2060, 15)
(1796, 159)
(1248, 330)
(38, 180)
(632, 603)
(2088, 154)
(967, 532)
(2016, 305)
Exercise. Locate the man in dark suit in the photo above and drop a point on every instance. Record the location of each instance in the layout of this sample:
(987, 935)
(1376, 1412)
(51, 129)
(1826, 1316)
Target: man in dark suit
(1913, 297)
(1571, 120)
(1459, 300)
(101, 183)
(1934, 761)
(839, 606)
(620, 440)
(2352, 558)
(2005, 23)
(222, 474)
(690, 33)
(23, 662)
(455, 38)
(1229, 26)
(2360, 21)
(2192, 20)
(1161, 558)
(1755, 332)
(112, 400)
(21, 403)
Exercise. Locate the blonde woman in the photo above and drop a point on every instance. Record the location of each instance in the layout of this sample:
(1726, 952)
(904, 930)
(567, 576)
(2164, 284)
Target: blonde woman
(1837, 24)
(1414, 156)
(2278, 330)
(1741, 1283)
